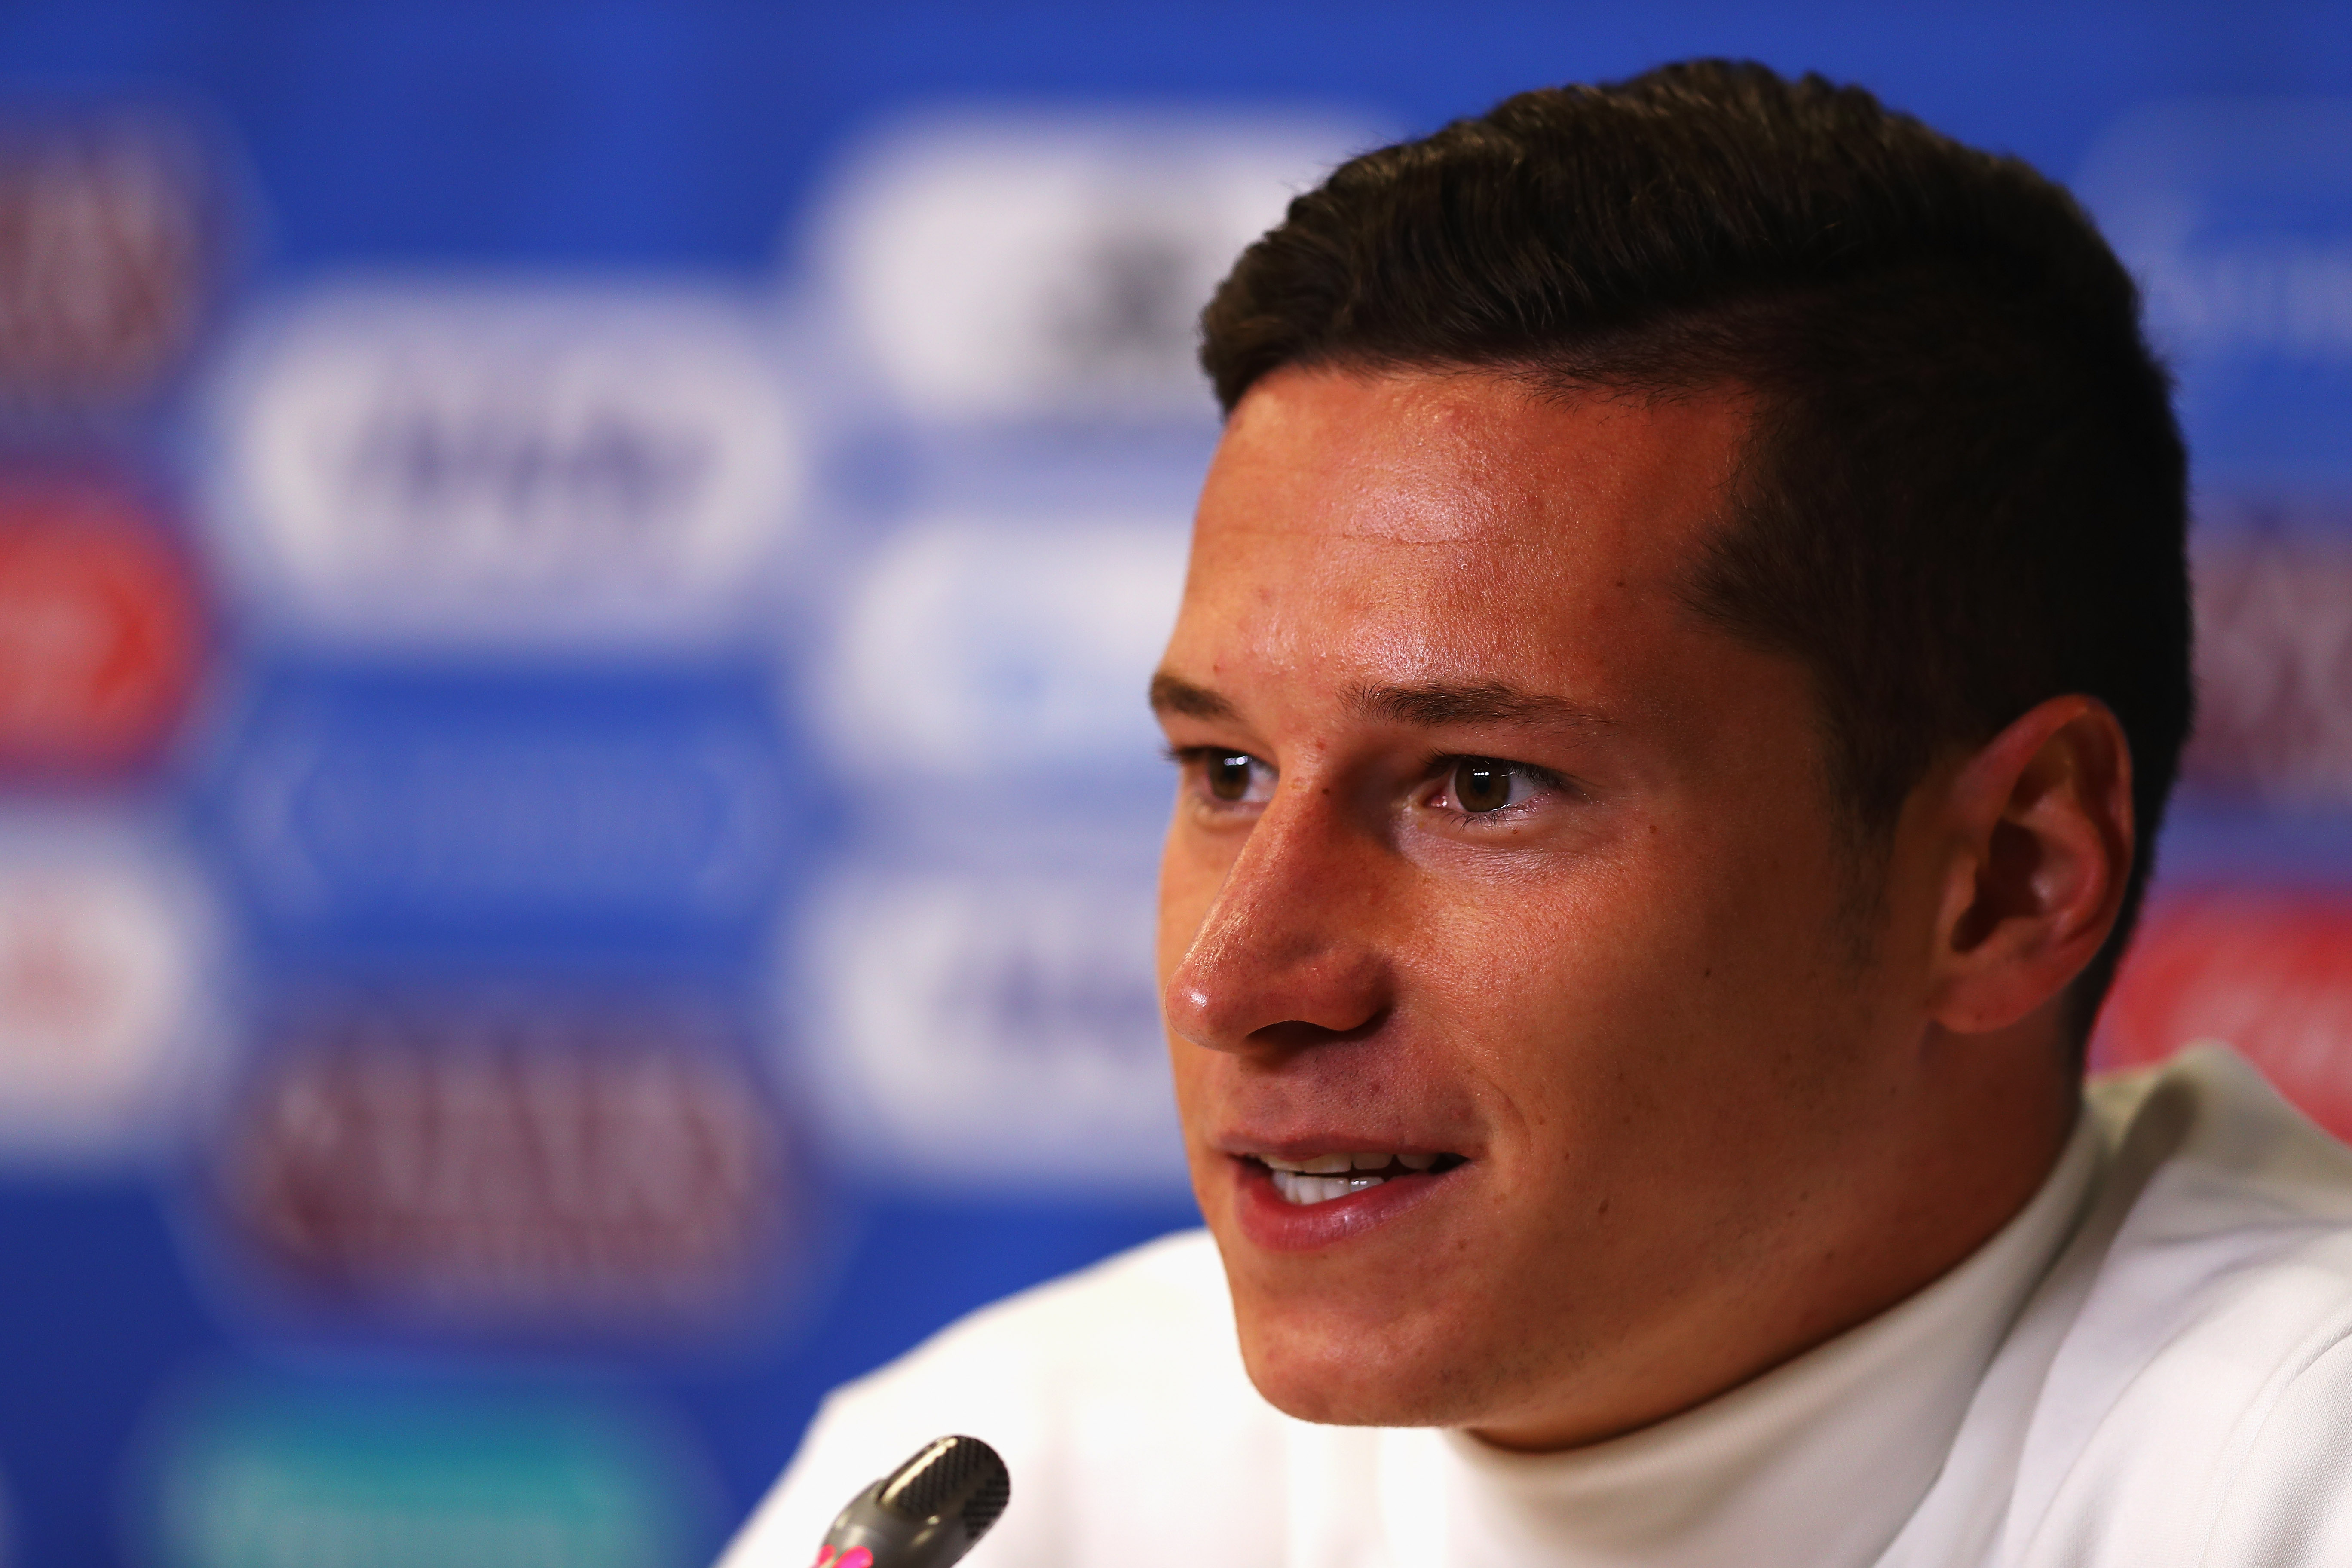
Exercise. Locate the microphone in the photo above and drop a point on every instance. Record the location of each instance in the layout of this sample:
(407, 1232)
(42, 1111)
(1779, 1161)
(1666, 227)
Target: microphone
(926, 1513)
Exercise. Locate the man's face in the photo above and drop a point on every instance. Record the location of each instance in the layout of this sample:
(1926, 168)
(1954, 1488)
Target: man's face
(1492, 857)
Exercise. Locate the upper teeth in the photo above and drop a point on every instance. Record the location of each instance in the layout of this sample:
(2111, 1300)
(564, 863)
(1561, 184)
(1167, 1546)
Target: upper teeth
(1332, 1165)
(1318, 1178)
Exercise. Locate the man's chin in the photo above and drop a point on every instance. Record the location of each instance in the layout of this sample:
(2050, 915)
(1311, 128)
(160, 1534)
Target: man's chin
(1352, 1379)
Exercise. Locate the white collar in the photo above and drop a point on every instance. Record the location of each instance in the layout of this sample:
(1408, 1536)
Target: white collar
(1816, 1464)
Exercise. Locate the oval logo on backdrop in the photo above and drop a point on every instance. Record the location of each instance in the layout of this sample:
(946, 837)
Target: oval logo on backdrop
(509, 463)
(606, 1163)
(251, 1474)
(979, 649)
(103, 945)
(2236, 215)
(486, 807)
(2267, 971)
(1041, 265)
(2275, 662)
(969, 1029)
(100, 638)
(106, 251)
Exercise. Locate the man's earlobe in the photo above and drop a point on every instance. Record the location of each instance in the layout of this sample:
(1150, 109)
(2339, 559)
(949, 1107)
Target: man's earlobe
(2040, 837)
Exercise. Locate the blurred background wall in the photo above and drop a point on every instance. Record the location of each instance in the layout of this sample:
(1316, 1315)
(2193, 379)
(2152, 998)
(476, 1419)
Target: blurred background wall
(575, 581)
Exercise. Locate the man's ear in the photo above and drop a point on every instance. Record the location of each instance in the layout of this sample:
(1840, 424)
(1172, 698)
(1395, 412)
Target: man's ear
(2038, 835)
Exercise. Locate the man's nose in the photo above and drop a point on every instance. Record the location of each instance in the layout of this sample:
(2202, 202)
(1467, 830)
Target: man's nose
(1289, 954)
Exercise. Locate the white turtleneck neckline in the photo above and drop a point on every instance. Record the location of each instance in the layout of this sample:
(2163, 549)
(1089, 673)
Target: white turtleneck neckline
(1816, 1464)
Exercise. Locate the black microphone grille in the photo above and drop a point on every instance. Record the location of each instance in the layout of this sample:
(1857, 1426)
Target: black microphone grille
(963, 1476)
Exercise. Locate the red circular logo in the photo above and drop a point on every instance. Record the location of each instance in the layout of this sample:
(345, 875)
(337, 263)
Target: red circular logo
(99, 629)
(2268, 971)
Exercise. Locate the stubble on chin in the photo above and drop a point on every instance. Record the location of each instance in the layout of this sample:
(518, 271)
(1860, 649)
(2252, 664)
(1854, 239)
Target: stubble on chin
(1356, 1374)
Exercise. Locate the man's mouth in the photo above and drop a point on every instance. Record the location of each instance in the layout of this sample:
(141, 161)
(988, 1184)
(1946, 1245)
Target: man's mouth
(1319, 1178)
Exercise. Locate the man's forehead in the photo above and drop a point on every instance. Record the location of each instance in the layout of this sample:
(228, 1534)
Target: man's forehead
(1462, 458)
(1426, 548)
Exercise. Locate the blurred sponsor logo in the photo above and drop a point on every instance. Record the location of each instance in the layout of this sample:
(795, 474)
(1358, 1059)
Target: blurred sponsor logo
(457, 804)
(974, 1029)
(2269, 972)
(261, 1479)
(2274, 667)
(511, 464)
(546, 1162)
(974, 650)
(98, 640)
(2236, 215)
(105, 252)
(102, 943)
(1031, 267)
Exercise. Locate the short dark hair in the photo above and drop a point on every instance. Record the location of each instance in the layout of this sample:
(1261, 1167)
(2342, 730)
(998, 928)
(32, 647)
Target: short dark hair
(1965, 492)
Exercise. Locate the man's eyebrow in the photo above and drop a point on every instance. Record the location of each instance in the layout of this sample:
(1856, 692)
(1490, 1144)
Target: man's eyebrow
(1435, 704)
(1174, 694)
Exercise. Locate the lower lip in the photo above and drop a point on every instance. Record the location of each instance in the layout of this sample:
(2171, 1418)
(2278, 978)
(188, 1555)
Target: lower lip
(1279, 1226)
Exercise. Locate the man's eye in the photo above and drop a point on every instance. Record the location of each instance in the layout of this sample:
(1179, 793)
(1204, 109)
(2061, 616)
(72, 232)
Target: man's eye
(1229, 774)
(1226, 777)
(1483, 785)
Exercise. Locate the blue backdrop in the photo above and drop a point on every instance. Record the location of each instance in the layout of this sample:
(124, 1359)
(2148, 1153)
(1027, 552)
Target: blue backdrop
(575, 817)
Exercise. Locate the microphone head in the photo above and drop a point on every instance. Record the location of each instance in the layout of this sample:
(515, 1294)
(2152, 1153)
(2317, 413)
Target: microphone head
(926, 1513)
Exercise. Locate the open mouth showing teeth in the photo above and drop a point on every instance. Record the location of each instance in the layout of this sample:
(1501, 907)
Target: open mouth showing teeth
(1319, 1178)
